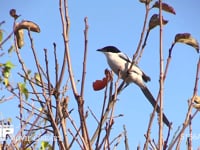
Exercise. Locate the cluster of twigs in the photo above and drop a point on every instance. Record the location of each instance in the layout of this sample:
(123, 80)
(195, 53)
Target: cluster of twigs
(46, 112)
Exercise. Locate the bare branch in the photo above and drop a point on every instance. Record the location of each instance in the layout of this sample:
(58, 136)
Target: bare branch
(85, 56)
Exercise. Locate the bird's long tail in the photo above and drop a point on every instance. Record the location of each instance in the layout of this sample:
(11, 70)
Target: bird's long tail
(151, 99)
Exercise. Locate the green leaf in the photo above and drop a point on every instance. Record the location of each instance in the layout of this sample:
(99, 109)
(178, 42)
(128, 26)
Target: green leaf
(9, 65)
(45, 145)
(6, 81)
(11, 49)
(186, 38)
(37, 78)
(23, 89)
(1, 35)
(6, 74)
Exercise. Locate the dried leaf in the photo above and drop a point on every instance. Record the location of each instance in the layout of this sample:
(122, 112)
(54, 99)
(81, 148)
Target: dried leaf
(108, 75)
(197, 102)
(165, 7)
(99, 84)
(20, 38)
(29, 25)
(155, 21)
(145, 1)
(186, 38)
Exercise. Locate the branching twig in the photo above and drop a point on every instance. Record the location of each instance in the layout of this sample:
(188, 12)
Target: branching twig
(138, 51)
(188, 119)
(125, 138)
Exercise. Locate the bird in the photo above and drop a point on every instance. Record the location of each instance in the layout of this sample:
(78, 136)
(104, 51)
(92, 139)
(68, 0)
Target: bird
(121, 63)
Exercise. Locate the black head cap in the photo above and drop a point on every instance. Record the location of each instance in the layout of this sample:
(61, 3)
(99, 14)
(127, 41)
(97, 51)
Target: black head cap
(112, 49)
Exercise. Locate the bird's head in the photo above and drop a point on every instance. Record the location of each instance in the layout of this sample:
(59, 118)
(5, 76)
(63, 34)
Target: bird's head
(109, 49)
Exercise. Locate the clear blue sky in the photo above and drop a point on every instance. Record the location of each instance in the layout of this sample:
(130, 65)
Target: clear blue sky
(115, 23)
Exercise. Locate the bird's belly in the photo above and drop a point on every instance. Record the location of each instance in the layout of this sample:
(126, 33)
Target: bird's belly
(118, 67)
(122, 68)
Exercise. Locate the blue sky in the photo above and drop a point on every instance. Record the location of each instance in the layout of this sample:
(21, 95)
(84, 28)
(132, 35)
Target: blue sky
(115, 23)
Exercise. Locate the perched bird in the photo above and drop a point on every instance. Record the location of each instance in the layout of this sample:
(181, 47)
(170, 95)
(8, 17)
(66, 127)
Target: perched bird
(119, 61)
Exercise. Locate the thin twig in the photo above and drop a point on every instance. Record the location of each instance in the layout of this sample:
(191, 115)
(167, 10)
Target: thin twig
(85, 56)
(75, 139)
(7, 38)
(118, 138)
(161, 78)
(140, 52)
(102, 117)
(56, 64)
(188, 119)
(125, 138)
(93, 115)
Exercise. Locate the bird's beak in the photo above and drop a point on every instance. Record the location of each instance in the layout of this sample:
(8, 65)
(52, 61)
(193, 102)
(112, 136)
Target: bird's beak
(100, 50)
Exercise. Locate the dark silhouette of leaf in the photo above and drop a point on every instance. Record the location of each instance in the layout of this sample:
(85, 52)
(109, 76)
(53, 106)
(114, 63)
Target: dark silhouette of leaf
(155, 21)
(186, 38)
(14, 14)
(165, 7)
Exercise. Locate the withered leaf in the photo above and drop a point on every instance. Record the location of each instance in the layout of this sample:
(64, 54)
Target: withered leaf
(155, 21)
(186, 38)
(20, 38)
(28, 25)
(165, 7)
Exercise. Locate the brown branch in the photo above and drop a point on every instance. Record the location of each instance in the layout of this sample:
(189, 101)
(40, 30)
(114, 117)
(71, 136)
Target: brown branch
(93, 115)
(143, 46)
(56, 64)
(22, 128)
(85, 56)
(47, 73)
(102, 117)
(118, 138)
(125, 138)
(63, 123)
(76, 128)
(75, 139)
(108, 109)
(141, 36)
(33, 141)
(187, 118)
(168, 60)
(161, 89)
(190, 137)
